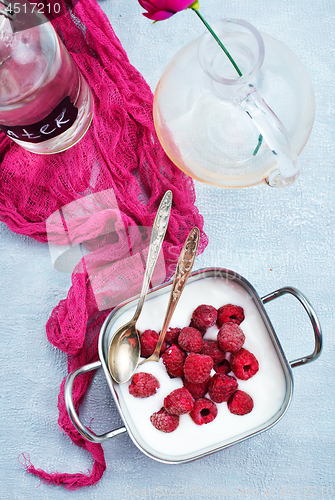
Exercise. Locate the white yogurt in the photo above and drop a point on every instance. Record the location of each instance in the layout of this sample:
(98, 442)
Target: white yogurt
(267, 388)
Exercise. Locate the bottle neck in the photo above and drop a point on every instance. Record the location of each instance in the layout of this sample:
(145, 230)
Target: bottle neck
(24, 65)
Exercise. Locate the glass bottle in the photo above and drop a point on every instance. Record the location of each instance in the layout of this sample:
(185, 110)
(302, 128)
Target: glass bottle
(46, 105)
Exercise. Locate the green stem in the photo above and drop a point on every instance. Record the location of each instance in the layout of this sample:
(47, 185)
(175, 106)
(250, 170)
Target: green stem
(260, 137)
(218, 41)
(260, 140)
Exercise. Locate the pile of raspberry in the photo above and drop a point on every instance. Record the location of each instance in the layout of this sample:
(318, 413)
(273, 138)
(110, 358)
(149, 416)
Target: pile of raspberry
(209, 369)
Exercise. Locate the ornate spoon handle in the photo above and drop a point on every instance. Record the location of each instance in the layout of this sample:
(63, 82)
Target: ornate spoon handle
(157, 236)
(183, 270)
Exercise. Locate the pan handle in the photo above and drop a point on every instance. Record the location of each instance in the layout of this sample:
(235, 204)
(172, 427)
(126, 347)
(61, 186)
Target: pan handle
(312, 316)
(84, 431)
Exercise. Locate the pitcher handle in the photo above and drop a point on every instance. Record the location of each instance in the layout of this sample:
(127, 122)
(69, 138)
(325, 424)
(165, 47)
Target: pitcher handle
(274, 134)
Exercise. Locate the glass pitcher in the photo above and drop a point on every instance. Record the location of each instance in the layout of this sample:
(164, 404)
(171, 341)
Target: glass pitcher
(229, 130)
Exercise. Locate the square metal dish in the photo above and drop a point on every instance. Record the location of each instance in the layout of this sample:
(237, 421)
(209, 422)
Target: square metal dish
(197, 441)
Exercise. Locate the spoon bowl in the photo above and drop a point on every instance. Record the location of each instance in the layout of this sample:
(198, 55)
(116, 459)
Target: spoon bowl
(124, 348)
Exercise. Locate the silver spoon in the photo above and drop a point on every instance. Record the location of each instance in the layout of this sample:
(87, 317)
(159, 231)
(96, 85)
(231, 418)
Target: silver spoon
(124, 349)
(183, 270)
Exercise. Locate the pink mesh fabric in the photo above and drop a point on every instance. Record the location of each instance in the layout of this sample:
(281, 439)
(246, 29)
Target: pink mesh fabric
(91, 232)
(121, 153)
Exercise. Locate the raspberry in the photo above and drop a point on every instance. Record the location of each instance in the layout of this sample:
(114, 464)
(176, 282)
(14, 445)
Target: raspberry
(230, 337)
(222, 367)
(244, 364)
(148, 341)
(174, 359)
(197, 390)
(143, 385)
(221, 387)
(230, 313)
(201, 330)
(197, 367)
(211, 348)
(204, 411)
(190, 339)
(163, 421)
(171, 336)
(240, 403)
(179, 402)
(204, 316)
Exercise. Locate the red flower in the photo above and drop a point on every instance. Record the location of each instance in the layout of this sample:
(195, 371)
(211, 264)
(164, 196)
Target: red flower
(158, 10)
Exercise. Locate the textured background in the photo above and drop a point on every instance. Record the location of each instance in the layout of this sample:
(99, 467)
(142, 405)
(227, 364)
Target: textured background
(272, 237)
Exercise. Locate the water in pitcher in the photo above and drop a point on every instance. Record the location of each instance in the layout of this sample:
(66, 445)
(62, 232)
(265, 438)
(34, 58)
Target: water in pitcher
(46, 105)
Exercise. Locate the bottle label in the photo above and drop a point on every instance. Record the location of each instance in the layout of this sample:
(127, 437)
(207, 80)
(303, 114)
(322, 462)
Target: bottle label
(58, 121)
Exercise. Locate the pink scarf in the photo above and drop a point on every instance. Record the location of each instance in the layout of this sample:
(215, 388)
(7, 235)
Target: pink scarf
(120, 155)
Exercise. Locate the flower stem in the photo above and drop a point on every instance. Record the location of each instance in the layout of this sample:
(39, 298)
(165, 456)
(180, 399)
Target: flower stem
(260, 137)
(218, 41)
(260, 140)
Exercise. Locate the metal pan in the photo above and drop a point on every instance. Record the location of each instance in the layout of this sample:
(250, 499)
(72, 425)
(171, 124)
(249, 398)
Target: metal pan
(108, 329)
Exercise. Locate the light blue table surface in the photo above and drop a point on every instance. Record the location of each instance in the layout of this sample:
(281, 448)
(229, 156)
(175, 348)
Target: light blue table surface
(273, 238)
